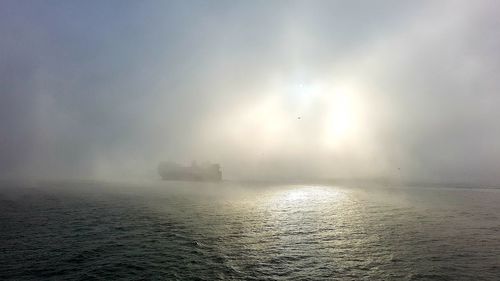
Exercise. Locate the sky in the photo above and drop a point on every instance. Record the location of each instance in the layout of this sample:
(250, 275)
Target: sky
(277, 90)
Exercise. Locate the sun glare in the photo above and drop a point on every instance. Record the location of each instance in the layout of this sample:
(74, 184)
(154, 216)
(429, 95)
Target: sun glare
(343, 117)
(306, 194)
(296, 195)
(292, 116)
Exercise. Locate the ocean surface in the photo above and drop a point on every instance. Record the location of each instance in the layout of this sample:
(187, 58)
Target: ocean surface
(238, 231)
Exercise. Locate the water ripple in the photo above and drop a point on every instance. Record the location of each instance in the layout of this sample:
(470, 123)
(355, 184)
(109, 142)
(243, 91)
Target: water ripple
(181, 231)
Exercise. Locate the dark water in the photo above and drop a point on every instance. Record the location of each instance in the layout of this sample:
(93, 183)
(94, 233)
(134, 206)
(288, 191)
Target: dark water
(195, 231)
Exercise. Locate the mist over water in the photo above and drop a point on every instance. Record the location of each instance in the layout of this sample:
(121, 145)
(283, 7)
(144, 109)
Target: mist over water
(271, 91)
(376, 100)
(227, 231)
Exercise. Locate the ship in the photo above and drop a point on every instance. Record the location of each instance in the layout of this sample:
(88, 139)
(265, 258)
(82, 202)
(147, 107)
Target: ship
(194, 172)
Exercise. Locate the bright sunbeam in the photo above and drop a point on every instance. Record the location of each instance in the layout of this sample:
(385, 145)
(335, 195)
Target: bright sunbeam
(342, 121)
(291, 120)
(338, 106)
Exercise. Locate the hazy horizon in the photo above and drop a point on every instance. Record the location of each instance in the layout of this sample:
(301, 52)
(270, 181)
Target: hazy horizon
(271, 90)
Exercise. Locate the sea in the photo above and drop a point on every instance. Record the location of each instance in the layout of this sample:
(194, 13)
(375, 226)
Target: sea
(91, 230)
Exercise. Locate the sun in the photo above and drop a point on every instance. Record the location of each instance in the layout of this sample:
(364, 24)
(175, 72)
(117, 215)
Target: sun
(342, 119)
(292, 117)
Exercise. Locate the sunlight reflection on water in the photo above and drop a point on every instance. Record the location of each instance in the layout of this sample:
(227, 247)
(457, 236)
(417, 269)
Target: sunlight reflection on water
(303, 194)
(181, 231)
